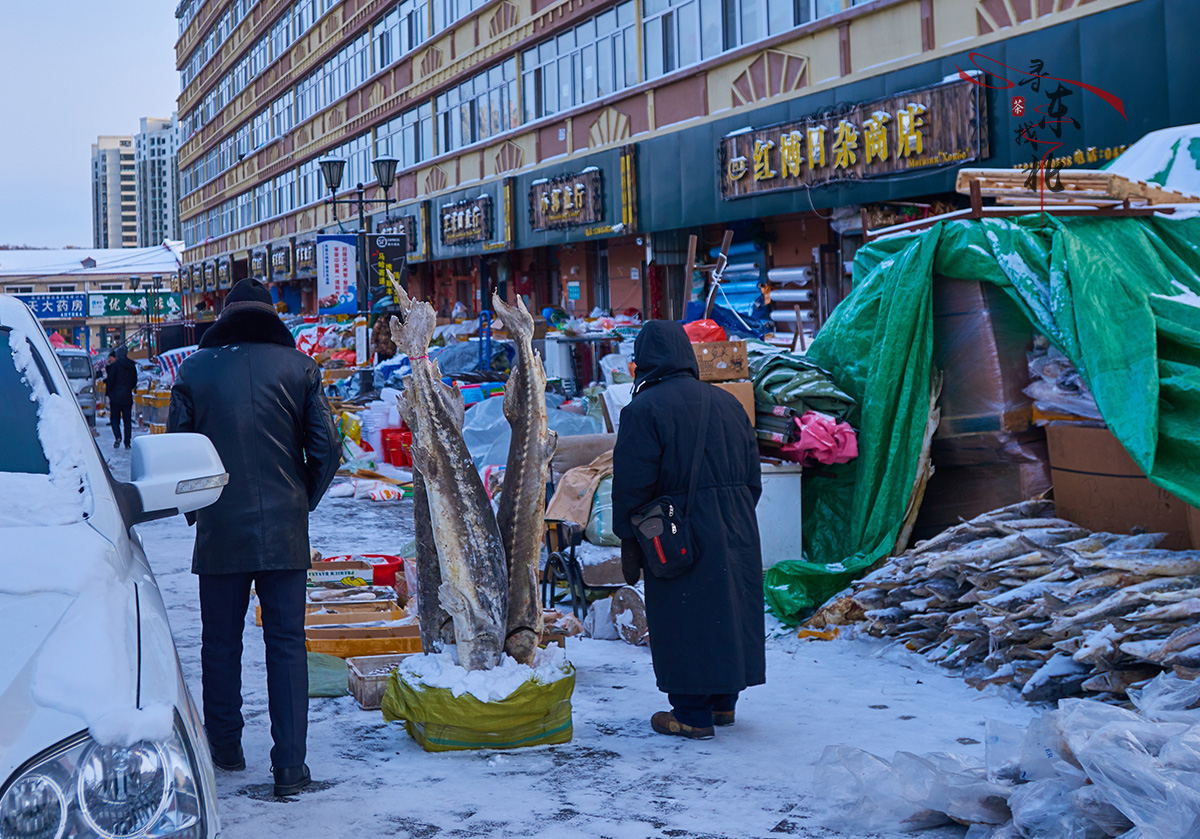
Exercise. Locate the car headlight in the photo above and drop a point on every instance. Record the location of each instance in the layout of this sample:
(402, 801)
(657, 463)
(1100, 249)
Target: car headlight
(84, 790)
(87, 390)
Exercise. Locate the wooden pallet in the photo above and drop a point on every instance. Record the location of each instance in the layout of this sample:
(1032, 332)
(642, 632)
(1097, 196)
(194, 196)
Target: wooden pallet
(1081, 186)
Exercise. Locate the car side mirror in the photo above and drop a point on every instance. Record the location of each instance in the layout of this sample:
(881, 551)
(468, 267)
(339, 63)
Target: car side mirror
(175, 473)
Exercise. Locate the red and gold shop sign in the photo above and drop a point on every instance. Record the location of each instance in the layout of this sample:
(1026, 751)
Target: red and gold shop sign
(258, 265)
(210, 276)
(937, 126)
(467, 222)
(567, 200)
(224, 272)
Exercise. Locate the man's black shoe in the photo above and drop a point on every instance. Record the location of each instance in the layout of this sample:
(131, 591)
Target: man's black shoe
(290, 780)
(229, 758)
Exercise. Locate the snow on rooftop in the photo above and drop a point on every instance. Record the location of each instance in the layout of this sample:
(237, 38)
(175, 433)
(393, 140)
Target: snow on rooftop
(161, 259)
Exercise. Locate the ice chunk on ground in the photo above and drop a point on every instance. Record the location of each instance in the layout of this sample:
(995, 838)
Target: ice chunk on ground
(499, 683)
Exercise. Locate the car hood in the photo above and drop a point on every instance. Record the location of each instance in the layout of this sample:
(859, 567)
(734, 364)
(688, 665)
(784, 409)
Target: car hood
(69, 617)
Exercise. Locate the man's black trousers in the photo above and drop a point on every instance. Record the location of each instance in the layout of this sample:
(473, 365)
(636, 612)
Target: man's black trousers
(224, 599)
(117, 414)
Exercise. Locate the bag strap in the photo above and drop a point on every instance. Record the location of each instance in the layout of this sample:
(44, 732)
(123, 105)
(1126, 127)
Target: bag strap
(701, 439)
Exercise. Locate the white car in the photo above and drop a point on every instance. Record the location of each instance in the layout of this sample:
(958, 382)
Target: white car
(98, 735)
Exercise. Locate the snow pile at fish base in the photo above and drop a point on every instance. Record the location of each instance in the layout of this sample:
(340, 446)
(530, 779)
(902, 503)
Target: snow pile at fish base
(1086, 770)
(443, 671)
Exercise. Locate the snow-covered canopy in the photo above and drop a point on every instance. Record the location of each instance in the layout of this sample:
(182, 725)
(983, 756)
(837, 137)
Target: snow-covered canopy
(1169, 157)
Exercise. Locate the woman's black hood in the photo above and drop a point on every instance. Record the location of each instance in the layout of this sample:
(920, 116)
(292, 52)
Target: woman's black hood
(662, 350)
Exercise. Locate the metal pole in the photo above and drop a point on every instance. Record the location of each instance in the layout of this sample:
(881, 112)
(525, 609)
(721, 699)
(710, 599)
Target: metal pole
(366, 380)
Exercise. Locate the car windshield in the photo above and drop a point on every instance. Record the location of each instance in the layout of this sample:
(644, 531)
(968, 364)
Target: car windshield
(43, 440)
(77, 366)
(20, 449)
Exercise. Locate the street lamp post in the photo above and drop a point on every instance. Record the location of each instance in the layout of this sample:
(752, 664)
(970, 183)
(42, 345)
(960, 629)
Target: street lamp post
(332, 169)
(154, 302)
(135, 283)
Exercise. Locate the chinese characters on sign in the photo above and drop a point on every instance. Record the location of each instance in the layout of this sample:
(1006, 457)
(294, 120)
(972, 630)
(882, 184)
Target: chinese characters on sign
(135, 304)
(224, 273)
(934, 126)
(57, 306)
(281, 263)
(258, 265)
(337, 287)
(210, 277)
(467, 222)
(406, 225)
(1055, 117)
(567, 200)
(386, 253)
(306, 259)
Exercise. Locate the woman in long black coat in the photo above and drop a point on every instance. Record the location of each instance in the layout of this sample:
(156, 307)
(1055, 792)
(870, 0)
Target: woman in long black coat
(707, 634)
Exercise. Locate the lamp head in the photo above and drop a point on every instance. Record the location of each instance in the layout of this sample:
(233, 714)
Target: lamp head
(134, 282)
(385, 171)
(331, 171)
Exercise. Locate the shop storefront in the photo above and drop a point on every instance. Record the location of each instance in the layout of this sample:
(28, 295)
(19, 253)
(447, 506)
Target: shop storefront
(578, 226)
(471, 234)
(305, 273)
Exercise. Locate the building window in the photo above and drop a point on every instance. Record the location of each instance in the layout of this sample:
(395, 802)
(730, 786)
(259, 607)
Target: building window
(481, 107)
(282, 115)
(60, 288)
(400, 31)
(262, 127)
(262, 201)
(285, 193)
(281, 34)
(446, 12)
(302, 17)
(310, 94)
(308, 183)
(408, 137)
(245, 210)
(18, 289)
(260, 56)
(112, 286)
(595, 59)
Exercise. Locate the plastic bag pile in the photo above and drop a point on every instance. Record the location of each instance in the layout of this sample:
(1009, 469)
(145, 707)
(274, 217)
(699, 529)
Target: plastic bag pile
(1086, 770)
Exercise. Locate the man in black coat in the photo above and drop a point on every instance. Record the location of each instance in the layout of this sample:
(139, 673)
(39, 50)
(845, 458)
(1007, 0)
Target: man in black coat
(120, 380)
(260, 401)
(707, 635)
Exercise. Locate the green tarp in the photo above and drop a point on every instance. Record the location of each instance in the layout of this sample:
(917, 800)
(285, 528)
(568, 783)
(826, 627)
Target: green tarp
(1119, 297)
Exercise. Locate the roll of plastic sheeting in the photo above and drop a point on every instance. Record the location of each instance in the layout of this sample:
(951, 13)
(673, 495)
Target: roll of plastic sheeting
(742, 249)
(750, 287)
(791, 295)
(790, 275)
(742, 268)
(789, 315)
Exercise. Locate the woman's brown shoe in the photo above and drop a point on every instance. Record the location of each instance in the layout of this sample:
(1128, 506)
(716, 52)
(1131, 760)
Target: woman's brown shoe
(723, 718)
(664, 722)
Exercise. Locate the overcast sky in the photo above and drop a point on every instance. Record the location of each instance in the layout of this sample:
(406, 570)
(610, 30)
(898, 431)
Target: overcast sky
(71, 70)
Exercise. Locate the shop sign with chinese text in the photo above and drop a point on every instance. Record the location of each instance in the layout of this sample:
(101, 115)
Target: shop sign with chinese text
(405, 225)
(567, 200)
(467, 222)
(224, 272)
(942, 125)
(135, 304)
(210, 277)
(306, 259)
(337, 285)
(258, 265)
(56, 306)
(281, 263)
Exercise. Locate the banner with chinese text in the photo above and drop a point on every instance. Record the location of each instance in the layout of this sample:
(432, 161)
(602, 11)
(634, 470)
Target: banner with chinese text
(337, 283)
(56, 306)
(941, 125)
(158, 305)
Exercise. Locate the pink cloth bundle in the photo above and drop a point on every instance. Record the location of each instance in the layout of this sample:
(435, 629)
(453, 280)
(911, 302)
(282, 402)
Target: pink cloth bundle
(823, 439)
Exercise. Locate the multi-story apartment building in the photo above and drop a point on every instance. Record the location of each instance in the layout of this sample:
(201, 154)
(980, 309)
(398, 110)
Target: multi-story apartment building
(155, 149)
(114, 214)
(564, 149)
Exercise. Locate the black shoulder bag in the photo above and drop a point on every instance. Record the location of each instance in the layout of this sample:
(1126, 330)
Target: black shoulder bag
(661, 527)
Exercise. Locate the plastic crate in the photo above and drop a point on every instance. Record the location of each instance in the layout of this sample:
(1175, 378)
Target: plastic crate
(348, 642)
(367, 686)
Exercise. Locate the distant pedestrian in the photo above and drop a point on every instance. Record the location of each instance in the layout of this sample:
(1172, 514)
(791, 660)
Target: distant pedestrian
(120, 380)
(707, 636)
(261, 402)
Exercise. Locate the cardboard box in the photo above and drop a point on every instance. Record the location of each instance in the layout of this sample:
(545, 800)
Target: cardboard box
(722, 361)
(318, 614)
(346, 642)
(744, 392)
(1097, 485)
(980, 343)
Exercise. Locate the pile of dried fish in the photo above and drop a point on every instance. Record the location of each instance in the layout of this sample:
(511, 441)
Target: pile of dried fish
(1018, 596)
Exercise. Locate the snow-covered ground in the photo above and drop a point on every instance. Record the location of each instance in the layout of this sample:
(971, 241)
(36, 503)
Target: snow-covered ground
(616, 778)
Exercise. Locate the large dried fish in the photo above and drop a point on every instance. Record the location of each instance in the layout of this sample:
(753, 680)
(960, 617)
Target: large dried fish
(474, 588)
(521, 516)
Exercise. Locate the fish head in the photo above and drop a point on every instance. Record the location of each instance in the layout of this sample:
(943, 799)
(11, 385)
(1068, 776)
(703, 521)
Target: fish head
(517, 320)
(413, 336)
